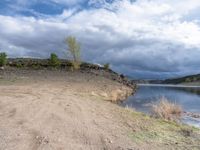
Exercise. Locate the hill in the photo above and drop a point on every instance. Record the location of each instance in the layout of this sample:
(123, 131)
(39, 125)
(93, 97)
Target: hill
(191, 79)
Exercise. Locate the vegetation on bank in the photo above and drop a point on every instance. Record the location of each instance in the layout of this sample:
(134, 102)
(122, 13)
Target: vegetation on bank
(162, 128)
(167, 110)
(156, 131)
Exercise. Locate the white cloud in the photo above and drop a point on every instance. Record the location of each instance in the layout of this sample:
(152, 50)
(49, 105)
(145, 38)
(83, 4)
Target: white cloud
(69, 2)
(149, 37)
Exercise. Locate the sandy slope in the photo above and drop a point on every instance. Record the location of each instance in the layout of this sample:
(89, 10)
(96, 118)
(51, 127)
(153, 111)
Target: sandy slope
(59, 113)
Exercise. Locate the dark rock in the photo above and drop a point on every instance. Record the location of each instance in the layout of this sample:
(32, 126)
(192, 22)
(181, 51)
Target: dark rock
(122, 76)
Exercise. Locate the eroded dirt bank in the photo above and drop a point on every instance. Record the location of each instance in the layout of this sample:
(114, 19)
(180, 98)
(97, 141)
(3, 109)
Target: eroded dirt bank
(52, 110)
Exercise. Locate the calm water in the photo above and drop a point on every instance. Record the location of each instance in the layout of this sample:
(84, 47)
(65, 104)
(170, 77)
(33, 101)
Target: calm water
(187, 97)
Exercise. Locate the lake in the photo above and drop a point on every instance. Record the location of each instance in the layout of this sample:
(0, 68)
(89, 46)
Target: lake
(186, 96)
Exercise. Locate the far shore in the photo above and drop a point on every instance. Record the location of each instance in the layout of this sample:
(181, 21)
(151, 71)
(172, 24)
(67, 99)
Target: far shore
(170, 85)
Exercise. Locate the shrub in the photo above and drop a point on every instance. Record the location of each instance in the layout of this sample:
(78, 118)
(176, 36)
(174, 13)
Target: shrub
(19, 65)
(36, 66)
(74, 49)
(107, 66)
(167, 110)
(54, 61)
(3, 59)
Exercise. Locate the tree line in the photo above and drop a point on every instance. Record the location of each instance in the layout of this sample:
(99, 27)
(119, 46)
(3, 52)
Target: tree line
(73, 47)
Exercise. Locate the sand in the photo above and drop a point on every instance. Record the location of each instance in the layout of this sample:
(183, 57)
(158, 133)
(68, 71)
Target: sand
(60, 111)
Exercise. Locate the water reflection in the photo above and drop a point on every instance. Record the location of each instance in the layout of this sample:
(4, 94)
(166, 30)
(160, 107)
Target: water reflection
(187, 97)
(195, 90)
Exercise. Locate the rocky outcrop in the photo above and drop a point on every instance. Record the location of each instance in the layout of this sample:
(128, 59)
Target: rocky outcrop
(108, 73)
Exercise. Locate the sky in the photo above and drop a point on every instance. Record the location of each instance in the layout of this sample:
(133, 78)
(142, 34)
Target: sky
(144, 39)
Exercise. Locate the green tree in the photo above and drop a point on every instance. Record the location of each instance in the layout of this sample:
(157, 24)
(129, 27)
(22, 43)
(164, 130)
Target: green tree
(3, 59)
(107, 66)
(54, 60)
(74, 49)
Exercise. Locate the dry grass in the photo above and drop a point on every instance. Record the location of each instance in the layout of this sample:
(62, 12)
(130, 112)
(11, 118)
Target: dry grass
(167, 110)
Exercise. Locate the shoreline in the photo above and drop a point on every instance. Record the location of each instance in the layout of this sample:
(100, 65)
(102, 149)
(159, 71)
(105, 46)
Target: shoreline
(191, 118)
(52, 109)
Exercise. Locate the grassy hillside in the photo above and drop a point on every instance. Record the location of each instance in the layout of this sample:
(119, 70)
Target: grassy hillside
(184, 80)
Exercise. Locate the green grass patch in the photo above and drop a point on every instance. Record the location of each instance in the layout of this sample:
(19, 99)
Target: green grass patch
(148, 130)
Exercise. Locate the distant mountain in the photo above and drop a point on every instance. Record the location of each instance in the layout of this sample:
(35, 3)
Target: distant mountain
(182, 80)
